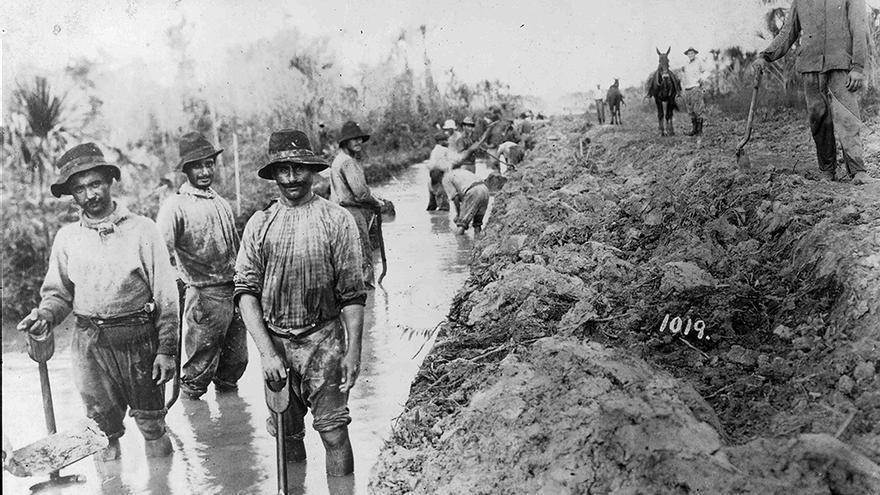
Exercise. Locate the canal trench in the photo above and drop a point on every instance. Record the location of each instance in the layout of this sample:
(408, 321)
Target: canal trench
(221, 443)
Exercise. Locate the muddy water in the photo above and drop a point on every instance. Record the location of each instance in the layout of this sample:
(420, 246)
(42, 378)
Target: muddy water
(220, 441)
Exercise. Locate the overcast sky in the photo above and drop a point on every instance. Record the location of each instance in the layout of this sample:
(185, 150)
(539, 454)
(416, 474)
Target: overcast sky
(540, 47)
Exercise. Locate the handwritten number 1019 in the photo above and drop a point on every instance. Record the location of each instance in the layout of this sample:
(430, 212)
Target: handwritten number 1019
(675, 326)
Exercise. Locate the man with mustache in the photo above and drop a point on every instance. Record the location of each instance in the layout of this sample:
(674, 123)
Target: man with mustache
(348, 188)
(299, 285)
(199, 229)
(112, 270)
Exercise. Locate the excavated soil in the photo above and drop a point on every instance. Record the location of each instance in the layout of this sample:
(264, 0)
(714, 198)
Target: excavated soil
(558, 370)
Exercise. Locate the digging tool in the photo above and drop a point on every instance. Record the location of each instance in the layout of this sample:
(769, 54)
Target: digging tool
(278, 400)
(381, 239)
(175, 384)
(58, 450)
(742, 157)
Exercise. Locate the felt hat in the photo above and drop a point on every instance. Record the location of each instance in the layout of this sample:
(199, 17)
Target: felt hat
(691, 49)
(291, 146)
(449, 124)
(468, 121)
(80, 158)
(351, 130)
(193, 146)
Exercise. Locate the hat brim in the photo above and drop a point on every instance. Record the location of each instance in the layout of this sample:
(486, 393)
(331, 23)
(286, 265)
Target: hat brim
(315, 163)
(191, 159)
(365, 137)
(691, 50)
(60, 188)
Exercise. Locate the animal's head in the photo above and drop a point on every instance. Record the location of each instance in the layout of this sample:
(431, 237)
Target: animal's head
(663, 58)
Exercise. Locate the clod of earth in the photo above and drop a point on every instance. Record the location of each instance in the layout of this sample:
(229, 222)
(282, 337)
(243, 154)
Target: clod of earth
(552, 377)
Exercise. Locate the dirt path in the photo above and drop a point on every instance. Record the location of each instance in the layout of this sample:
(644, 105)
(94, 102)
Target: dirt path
(554, 376)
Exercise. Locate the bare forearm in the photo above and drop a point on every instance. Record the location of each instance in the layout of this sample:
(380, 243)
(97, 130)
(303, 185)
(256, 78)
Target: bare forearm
(353, 318)
(252, 316)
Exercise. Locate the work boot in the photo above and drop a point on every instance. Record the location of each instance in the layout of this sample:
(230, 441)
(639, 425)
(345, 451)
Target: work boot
(827, 175)
(861, 178)
(160, 447)
(693, 131)
(111, 452)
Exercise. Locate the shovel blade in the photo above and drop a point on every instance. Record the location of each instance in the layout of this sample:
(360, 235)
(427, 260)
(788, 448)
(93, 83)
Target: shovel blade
(58, 450)
(278, 394)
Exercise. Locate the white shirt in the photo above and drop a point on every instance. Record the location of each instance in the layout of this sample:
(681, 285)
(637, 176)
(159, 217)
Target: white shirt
(692, 74)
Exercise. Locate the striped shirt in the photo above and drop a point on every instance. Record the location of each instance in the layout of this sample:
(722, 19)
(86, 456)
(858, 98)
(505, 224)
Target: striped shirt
(302, 262)
(199, 229)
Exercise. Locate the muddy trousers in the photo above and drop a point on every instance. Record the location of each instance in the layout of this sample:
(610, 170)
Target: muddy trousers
(112, 369)
(363, 217)
(315, 375)
(833, 109)
(600, 111)
(215, 340)
(437, 198)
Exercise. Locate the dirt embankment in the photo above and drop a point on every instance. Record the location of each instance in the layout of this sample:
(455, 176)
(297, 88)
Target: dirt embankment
(552, 374)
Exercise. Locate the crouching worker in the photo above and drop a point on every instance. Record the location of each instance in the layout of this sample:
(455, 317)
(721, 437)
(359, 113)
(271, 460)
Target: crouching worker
(470, 196)
(300, 289)
(113, 270)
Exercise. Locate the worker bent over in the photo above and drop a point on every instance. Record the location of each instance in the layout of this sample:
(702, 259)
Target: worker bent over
(470, 196)
(300, 289)
(113, 270)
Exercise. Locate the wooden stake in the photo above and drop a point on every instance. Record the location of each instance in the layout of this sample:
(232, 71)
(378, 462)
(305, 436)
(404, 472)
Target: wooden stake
(237, 170)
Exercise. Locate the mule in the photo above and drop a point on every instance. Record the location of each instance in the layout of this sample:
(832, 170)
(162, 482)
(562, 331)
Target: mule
(664, 86)
(614, 98)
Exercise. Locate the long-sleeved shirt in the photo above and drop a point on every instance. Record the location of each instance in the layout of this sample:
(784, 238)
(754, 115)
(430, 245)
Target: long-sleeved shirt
(348, 185)
(457, 181)
(692, 73)
(112, 267)
(833, 35)
(199, 229)
(302, 262)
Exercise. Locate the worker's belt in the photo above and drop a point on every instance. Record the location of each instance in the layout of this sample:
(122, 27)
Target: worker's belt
(475, 184)
(300, 332)
(120, 329)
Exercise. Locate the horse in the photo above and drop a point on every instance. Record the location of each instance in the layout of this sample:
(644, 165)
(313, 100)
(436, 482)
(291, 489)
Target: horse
(664, 86)
(614, 98)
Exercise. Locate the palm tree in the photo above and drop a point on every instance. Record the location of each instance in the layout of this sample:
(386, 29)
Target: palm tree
(42, 135)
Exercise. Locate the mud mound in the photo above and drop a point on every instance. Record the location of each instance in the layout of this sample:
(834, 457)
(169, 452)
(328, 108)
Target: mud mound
(759, 288)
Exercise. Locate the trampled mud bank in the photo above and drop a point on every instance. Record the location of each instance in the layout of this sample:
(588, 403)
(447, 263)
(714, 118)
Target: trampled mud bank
(643, 317)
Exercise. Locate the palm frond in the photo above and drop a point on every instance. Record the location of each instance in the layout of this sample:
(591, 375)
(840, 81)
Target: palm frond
(42, 109)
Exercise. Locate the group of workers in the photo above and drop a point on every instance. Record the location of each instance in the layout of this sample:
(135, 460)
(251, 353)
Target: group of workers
(452, 164)
(296, 280)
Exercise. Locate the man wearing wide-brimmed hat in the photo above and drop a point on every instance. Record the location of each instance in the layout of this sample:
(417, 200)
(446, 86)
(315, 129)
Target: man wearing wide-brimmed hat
(692, 76)
(464, 139)
(348, 188)
(113, 271)
(298, 278)
(199, 229)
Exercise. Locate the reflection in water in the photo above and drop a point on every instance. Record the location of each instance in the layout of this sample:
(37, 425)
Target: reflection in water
(221, 444)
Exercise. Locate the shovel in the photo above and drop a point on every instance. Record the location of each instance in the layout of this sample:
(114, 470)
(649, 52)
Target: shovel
(58, 450)
(742, 158)
(278, 400)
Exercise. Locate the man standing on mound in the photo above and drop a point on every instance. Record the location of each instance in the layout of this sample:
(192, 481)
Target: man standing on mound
(113, 270)
(831, 59)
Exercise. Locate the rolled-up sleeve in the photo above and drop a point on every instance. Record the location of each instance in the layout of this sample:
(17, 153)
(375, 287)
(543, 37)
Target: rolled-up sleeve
(249, 264)
(56, 292)
(347, 259)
